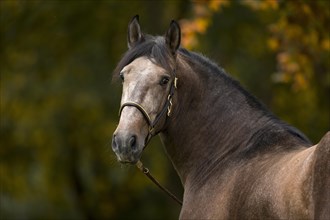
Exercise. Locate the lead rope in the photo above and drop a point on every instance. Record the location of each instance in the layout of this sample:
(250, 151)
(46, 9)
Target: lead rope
(146, 172)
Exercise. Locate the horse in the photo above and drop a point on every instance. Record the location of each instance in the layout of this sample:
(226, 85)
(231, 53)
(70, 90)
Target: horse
(235, 159)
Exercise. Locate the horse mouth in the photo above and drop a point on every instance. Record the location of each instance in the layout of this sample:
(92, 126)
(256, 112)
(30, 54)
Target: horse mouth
(128, 162)
(130, 159)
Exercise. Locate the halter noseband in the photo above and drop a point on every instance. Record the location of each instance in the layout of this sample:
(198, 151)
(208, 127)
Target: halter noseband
(166, 108)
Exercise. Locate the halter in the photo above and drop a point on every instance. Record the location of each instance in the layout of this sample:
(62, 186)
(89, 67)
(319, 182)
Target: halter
(151, 131)
(166, 108)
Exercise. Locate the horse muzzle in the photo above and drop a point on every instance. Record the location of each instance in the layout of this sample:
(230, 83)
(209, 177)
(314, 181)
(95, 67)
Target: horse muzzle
(127, 147)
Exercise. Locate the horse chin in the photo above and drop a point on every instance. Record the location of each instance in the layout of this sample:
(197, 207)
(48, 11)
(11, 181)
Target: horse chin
(131, 159)
(129, 162)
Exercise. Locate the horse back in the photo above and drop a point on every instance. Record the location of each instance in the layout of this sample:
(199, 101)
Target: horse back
(321, 182)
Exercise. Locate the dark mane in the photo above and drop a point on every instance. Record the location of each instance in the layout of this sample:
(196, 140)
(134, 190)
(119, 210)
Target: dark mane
(216, 71)
(213, 70)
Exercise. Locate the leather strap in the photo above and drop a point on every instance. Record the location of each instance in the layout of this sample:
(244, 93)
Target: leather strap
(166, 108)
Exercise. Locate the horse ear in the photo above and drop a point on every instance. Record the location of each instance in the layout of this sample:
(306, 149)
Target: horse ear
(173, 36)
(134, 34)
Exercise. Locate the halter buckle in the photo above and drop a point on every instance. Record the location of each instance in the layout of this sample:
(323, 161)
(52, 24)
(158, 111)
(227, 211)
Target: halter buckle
(169, 98)
(169, 108)
(175, 82)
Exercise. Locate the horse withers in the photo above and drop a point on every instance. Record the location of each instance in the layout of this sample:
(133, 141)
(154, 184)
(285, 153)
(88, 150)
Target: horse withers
(235, 159)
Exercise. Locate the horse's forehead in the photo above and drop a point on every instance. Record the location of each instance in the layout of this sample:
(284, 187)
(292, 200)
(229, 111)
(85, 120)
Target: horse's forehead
(142, 66)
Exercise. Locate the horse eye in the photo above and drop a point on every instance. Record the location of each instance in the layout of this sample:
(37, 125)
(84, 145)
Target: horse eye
(121, 75)
(164, 80)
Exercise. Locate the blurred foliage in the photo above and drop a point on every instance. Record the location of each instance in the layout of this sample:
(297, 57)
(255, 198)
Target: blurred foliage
(292, 40)
(59, 107)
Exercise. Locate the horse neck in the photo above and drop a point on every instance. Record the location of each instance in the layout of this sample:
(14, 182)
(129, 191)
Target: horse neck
(209, 121)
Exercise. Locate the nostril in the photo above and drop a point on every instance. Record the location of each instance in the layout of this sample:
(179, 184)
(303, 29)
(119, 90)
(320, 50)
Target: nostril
(114, 143)
(132, 142)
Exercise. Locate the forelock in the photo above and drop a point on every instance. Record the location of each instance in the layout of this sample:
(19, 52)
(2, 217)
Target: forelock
(153, 48)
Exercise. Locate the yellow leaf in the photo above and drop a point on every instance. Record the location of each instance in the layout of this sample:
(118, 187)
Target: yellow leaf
(300, 82)
(273, 4)
(325, 44)
(201, 24)
(215, 5)
(306, 9)
(273, 43)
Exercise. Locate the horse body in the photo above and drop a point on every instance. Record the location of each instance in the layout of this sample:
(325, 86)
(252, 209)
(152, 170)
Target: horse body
(235, 159)
(265, 187)
(251, 164)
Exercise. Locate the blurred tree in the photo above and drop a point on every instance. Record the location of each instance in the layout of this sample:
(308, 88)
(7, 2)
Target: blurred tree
(201, 19)
(298, 37)
(301, 40)
(59, 109)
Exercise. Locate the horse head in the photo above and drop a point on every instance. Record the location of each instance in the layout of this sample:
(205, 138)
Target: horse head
(147, 72)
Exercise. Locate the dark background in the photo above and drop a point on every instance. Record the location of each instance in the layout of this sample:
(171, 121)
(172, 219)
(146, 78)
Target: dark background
(59, 106)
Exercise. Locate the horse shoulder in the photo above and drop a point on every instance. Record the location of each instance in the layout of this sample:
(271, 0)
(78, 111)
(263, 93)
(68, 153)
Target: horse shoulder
(273, 186)
(321, 182)
(292, 185)
(276, 186)
(294, 182)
